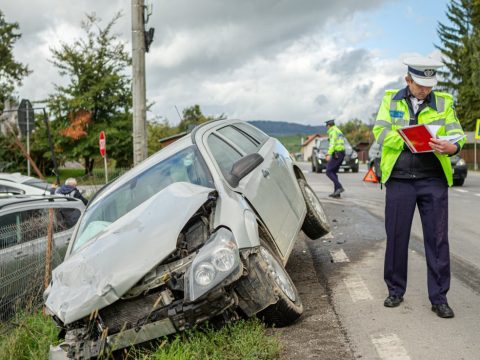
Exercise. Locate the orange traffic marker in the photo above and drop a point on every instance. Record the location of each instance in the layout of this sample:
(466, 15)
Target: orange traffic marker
(370, 176)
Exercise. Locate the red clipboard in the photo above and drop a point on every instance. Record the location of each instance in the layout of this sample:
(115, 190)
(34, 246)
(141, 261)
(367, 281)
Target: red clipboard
(417, 137)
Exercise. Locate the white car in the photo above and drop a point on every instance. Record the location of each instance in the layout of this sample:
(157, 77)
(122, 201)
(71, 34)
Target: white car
(17, 184)
(199, 230)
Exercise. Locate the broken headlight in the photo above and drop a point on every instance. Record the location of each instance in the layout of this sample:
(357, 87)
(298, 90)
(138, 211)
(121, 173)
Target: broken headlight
(215, 262)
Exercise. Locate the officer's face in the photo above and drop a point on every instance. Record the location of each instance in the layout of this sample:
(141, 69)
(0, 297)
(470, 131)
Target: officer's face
(419, 91)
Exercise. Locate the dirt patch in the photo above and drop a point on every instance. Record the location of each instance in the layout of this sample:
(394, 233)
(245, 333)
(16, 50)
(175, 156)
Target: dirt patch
(318, 333)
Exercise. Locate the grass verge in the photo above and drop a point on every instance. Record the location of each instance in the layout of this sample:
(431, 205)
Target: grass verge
(245, 339)
(27, 337)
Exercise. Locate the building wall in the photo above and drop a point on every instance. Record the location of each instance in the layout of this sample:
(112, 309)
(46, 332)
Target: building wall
(307, 150)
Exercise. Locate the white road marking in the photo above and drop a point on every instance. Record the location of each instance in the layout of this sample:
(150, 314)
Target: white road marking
(306, 171)
(339, 256)
(389, 347)
(357, 288)
(461, 190)
(477, 194)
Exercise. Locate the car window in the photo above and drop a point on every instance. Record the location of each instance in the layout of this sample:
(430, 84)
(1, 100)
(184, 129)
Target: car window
(253, 132)
(11, 190)
(322, 144)
(27, 225)
(223, 153)
(240, 139)
(185, 166)
(40, 184)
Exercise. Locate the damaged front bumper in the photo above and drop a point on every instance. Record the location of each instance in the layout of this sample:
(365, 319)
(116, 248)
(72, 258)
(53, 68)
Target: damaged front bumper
(178, 296)
(178, 316)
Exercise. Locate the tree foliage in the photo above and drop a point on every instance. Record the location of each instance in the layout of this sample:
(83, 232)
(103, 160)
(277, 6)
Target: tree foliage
(97, 95)
(460, 45)
(356, 131)
(11, 71)
(192, 116)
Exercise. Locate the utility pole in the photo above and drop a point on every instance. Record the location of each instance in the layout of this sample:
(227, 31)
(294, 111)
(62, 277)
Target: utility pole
(138, 86)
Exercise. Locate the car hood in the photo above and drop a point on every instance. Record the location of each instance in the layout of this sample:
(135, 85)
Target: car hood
(108, 266)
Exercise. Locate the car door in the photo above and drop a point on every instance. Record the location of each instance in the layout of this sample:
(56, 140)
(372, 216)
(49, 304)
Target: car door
(228, 145)
(282, 171)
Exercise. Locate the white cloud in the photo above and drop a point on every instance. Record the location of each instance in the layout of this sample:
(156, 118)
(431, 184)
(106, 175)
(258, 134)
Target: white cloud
(281, 60)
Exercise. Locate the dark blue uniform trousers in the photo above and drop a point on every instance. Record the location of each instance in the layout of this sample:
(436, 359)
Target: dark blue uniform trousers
(431, 196)
(333, 166)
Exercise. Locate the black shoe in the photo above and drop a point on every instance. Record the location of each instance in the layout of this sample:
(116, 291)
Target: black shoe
(392, 301)
(334, 195)
(340, 190)
(443, 310)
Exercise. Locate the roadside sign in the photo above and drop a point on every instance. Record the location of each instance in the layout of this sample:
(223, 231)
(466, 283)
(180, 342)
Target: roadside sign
(26, 117)
(477, 130)
(102, 143)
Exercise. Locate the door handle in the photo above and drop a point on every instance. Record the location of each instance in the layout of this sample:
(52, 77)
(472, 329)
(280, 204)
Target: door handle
(265, 173)
(20, 255)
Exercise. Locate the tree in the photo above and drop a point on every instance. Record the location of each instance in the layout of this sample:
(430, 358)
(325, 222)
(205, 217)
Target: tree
(356, 131)
(461, 50)
(11, 71)
(97, 97)
(158, 130)
(193, 116)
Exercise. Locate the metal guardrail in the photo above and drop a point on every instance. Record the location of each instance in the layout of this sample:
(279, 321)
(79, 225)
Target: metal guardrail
(25, 260)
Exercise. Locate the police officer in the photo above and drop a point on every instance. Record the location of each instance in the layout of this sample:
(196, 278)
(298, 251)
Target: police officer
(335, 155)
(420, 179)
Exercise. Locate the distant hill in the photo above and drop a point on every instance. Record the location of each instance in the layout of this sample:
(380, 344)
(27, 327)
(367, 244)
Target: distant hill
(282, 128)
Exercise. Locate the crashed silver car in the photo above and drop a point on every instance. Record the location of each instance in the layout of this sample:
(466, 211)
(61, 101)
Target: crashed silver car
(199, 231)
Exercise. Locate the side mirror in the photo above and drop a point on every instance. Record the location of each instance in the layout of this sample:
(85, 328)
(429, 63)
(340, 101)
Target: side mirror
(243, 167)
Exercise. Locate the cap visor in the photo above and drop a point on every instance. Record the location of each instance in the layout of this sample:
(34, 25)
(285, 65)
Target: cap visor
(428, 82)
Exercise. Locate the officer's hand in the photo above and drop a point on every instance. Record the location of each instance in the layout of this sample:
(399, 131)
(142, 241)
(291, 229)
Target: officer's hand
(327, 157)
(442, 146)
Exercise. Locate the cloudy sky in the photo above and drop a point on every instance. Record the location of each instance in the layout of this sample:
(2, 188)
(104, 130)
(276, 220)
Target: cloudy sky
(301, 61)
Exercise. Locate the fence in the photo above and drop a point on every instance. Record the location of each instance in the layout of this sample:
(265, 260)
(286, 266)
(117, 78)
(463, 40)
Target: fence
(24, 258)
(469, 155)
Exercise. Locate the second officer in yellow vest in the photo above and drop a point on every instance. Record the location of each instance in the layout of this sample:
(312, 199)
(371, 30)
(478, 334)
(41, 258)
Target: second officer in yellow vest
(335, 156)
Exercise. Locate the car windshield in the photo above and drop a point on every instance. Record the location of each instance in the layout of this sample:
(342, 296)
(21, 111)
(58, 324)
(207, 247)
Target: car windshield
(185, 166)
(323, 145)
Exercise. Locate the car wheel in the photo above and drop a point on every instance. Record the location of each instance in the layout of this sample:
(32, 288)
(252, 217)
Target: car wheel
(289, 307)
(458, 182)
(355, 169)
(316, 223)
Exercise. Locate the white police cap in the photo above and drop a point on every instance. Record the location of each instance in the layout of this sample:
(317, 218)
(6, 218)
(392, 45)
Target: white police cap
(423, 70)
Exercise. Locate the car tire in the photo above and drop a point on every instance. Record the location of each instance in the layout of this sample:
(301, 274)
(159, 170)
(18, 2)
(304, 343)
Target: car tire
(316, 223)
(355, 169)
(289, 306)
(458, 182)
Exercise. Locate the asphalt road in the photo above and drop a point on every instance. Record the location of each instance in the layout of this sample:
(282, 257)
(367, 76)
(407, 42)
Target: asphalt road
(341, 279)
